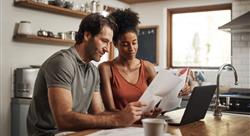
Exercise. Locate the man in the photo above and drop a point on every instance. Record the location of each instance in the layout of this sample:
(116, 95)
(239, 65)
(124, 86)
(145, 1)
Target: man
(67, 86)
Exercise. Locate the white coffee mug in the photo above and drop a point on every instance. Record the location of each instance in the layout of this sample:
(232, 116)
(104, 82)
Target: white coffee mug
(154, 127)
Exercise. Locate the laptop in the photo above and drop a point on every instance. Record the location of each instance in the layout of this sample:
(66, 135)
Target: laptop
(196, 108)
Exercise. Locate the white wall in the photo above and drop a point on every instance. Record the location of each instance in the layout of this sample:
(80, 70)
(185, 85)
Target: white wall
(1, 66)
(155, 14)
(17, 54)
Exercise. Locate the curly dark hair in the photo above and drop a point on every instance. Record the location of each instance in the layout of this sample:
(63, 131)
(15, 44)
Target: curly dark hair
(126, 20)
(94, 23)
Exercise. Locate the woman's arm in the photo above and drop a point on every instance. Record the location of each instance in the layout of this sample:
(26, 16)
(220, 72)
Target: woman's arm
(150, 71)
(106, 90)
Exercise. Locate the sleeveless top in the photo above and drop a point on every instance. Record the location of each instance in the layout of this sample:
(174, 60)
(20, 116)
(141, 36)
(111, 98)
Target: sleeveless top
(125, 92)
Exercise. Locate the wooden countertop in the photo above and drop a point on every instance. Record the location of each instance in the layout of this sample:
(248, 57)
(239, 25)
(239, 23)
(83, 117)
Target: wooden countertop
(228, 125)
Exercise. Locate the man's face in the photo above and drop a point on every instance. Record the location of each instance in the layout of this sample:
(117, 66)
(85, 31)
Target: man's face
(100, 44)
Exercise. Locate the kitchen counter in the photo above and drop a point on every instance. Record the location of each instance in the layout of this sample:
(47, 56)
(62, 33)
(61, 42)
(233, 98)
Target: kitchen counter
(228, 125)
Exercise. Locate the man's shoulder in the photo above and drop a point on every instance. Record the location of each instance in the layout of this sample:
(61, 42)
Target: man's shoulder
(62, 56)
(59, 59)
(92, 66)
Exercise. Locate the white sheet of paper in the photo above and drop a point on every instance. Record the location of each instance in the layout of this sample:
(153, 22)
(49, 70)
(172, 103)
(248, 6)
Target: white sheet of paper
(172, 101)
(129, 131)
(164, 82)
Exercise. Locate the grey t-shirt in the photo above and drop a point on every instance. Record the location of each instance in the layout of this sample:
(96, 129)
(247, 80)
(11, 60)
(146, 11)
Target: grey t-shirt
(64, 69)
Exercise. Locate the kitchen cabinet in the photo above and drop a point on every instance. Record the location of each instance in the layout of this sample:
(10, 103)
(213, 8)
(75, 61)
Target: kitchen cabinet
(50, 8)
(42, 40)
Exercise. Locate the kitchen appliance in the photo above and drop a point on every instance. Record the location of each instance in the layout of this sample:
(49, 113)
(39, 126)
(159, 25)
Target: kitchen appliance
(19, 111)
(24, 81)
(239, 24)
(238, 100)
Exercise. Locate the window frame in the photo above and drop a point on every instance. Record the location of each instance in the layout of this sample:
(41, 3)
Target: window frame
(172, 11)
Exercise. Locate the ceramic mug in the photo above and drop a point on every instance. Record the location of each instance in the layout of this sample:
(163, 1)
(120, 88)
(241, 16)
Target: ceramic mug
(24, 27)
(154, 127)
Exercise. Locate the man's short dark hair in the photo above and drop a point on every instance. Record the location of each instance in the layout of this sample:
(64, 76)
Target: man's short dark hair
(93, 23)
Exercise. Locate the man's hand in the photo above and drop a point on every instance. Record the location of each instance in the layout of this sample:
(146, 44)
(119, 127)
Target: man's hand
(130, 114)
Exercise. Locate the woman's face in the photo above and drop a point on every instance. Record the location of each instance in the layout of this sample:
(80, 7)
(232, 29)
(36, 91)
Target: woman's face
(128, 45)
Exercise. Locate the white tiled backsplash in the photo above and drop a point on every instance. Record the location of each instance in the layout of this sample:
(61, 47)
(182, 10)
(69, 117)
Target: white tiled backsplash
(241, 55)
(241, 45)
(240, 52)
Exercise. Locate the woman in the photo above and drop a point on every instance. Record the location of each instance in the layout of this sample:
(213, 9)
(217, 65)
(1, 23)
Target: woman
(125, 78)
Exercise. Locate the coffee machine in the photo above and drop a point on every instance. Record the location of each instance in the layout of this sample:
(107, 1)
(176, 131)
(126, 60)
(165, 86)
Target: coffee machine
(24, 81)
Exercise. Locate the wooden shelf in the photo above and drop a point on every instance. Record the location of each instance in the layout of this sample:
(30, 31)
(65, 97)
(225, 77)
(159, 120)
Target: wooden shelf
(43, 40)
(50, 8)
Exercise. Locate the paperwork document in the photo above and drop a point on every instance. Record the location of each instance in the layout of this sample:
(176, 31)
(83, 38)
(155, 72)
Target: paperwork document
(171, 101)
(165, 88)
(129, 131)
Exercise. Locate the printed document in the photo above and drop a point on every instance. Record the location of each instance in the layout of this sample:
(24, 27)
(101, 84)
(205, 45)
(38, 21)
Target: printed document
(171, 101)
(164, 88)
(129, 131)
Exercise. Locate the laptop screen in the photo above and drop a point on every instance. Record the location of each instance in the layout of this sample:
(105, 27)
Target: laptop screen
(197, 106)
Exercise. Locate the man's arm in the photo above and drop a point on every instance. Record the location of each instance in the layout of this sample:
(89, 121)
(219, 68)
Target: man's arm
(97, 106)
(60, 101)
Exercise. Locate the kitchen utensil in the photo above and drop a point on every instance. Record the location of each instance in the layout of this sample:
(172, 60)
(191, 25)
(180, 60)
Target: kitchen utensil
(42, 33)
(93, 6)
(61, 35)
(69, 5)
(71, 35)
(60, 3)
(50, 34)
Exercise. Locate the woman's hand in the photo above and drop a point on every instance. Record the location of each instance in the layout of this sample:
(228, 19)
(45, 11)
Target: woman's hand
(152, 114)
(186, 90)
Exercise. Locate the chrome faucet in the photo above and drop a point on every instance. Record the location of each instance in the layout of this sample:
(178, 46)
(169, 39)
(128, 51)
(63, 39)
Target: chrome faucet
(219, 107)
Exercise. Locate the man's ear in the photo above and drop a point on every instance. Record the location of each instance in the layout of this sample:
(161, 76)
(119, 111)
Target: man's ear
(87, 36)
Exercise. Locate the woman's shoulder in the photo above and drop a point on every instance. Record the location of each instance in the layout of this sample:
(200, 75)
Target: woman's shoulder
(149, 69)
(104, 69)
(105, 65)
(147, 64)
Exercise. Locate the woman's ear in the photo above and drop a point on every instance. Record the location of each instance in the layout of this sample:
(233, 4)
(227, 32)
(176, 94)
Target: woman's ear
(87, 36)
(115, 44)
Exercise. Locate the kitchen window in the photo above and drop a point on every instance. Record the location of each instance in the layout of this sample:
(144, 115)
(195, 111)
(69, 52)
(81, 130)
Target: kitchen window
(194, 39)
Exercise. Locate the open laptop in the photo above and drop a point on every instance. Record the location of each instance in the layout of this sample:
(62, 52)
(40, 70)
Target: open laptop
(196, 108)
